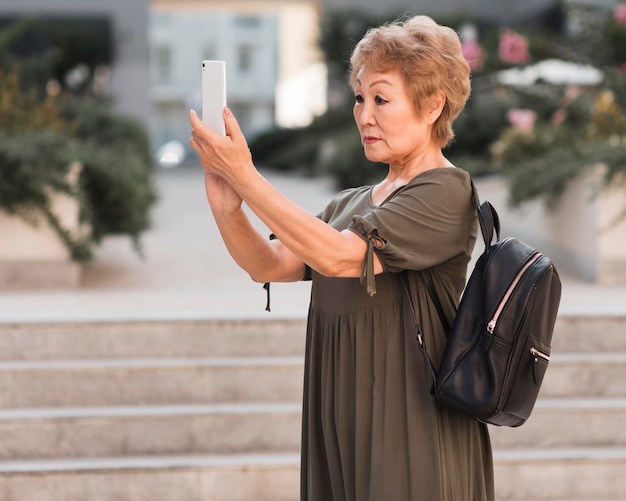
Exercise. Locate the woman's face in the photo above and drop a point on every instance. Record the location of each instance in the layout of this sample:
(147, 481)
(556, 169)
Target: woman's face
(391, 131)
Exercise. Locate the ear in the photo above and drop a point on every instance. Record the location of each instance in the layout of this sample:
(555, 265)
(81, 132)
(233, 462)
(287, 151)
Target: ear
(437, 102)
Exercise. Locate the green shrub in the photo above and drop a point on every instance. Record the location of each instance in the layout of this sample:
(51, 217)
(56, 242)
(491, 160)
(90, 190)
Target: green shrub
(577, 128)
(118, 170)
(40, 137)
(118, 190)
(33, 166)
(284, 149)
(23, 109)
(478, 126)
(539, 163)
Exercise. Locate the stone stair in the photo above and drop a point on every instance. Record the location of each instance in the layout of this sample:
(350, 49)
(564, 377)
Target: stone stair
(210, 410)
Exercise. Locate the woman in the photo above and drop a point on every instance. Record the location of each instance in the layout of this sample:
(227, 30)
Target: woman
(371, 429)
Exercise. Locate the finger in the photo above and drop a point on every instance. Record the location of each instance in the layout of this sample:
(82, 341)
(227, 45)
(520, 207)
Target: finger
(195, 121)
(194, 145)
(198, 126)
(195, 142)
(200, 139)
(199, 146)
(232, 126)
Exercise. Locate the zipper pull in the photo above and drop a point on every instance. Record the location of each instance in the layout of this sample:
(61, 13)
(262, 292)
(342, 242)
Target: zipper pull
(491, 326)
(536, 355)
(539, 354)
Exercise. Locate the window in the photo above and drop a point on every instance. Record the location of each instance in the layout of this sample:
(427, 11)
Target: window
(164, 64)
(248, 21)
(245, 59)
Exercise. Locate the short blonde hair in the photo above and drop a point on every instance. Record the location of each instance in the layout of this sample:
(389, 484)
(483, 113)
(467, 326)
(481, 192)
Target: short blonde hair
(429, 58)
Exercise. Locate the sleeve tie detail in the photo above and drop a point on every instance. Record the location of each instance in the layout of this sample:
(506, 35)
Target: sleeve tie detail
(368, 278)
(266, 286)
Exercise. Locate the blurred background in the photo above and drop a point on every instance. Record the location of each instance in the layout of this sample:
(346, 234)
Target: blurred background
(137, 361)
(107, 88)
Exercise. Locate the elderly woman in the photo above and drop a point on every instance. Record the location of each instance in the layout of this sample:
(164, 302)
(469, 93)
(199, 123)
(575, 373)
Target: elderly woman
(371, 430)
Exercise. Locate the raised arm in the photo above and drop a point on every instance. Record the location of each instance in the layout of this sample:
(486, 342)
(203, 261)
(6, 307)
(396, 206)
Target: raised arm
(301, 235)
(264, 260)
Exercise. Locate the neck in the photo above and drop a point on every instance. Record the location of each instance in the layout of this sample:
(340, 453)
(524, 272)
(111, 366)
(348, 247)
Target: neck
(402, 173)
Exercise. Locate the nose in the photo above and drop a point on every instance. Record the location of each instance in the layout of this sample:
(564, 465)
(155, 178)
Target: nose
(364, 115)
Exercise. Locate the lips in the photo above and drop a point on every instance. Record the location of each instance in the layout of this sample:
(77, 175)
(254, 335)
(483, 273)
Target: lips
(370, 140)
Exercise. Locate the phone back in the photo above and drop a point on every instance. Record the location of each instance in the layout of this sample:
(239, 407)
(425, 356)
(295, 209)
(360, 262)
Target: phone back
(214, 95)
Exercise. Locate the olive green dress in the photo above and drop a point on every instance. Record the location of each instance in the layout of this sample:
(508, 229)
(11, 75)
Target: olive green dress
(371, 429)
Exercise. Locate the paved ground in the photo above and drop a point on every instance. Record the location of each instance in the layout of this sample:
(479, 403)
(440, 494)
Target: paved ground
(187, 273)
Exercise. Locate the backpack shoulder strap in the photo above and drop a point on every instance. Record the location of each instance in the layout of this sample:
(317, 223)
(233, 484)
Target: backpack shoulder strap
(487, 218)
(427, 279)
(418, 331)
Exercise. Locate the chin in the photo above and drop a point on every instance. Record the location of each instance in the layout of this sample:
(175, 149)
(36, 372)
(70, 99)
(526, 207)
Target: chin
(375, 158)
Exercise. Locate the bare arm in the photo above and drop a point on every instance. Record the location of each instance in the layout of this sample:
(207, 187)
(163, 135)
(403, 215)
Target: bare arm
(264, 260)
(308, 239)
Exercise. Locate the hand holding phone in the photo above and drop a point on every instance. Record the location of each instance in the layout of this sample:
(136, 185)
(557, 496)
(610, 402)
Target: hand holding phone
(214, 95)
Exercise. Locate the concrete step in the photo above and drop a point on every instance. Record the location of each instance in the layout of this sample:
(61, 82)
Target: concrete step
(149, 430)
(171, 409)
(585, 375)
(76, 383)
(268, 428)
(568, 474)
(567, 423)
(588, 333)
(159, 338)
(262, 336)
(165, 478)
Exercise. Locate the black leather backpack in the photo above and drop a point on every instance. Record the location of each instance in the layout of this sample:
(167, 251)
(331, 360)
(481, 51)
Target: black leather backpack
(498, 346)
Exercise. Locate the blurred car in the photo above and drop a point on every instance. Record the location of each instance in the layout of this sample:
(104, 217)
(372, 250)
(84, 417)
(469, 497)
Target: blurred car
(171, 154)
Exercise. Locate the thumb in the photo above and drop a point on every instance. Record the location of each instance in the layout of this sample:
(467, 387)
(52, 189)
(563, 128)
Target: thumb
(232, 126)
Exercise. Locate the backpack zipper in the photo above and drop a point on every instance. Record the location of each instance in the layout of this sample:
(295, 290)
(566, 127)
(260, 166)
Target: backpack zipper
(536, 353)
(491, 326)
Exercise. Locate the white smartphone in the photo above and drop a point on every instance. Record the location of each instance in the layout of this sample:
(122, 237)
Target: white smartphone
(214, 95)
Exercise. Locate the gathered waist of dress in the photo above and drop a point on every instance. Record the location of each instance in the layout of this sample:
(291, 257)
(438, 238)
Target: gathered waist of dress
(342, 295)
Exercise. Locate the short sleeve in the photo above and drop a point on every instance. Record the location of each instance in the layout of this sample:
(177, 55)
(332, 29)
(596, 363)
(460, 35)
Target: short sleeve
(425, 223)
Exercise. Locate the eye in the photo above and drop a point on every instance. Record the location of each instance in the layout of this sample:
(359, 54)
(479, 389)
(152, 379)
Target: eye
(379, 100)
(358, 99)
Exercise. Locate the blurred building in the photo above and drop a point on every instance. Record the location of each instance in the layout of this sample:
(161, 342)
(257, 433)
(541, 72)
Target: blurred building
(129, 75)
(272, 63)
(495, 10)
(274, 69)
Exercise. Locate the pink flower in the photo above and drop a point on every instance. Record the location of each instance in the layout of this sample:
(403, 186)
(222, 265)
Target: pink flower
(523, 120)
(571, 93)
(620, 13)
(474, 54)
(513, 48)
(559, 116)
